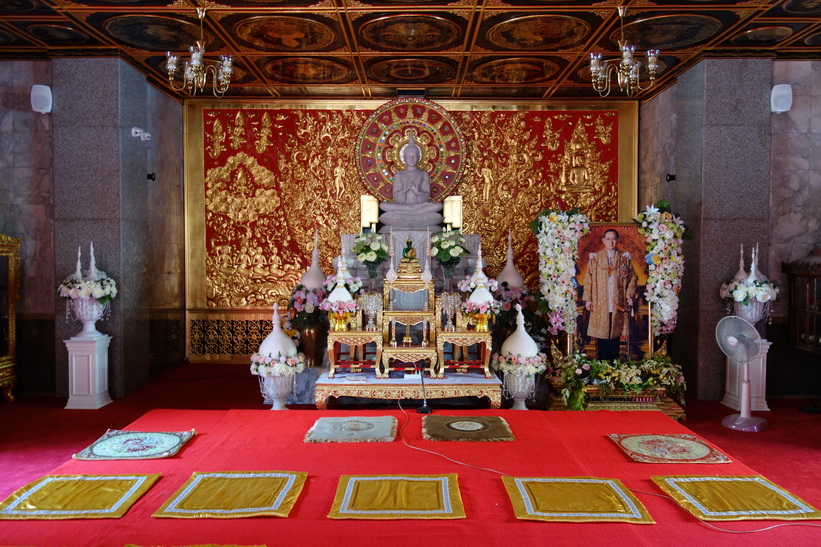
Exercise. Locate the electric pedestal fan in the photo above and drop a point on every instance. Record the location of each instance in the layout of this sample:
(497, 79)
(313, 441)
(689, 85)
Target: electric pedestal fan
(739, 341)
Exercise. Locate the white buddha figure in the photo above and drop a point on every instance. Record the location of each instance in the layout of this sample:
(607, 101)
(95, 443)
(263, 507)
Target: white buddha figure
(411, 206)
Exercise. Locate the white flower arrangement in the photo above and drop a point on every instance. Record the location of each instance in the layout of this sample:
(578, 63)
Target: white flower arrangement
(745, 291)
(663, 232)
(558, 234)
(370, 249)
(102, 290)
(281, 365)
(448, 247)
(353, 284)
(509, 363)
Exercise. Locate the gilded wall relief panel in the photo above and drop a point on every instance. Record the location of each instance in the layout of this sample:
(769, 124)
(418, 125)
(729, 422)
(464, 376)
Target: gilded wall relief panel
(272, 176)
(524, 162)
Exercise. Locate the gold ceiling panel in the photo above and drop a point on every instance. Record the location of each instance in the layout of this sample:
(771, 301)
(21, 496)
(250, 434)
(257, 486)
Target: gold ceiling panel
(451, 49)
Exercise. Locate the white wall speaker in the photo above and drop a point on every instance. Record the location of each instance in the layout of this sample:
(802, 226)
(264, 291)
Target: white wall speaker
(41, 98)
(781, 98)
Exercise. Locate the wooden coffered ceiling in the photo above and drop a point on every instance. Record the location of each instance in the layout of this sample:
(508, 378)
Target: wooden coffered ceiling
(460, 49)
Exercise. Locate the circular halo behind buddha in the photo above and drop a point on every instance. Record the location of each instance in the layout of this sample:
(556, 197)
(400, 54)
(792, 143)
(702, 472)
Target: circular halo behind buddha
(383, 135)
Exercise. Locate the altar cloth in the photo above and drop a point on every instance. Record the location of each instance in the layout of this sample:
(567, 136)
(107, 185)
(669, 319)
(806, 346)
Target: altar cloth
(76, 497)
(392, 497)
(735, 498)
(116, 444)
(235, 494)
(574, 499)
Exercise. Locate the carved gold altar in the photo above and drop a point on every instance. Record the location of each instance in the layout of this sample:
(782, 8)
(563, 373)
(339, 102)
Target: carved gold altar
(380, 389)
(9, 294)
(357, 359)
(460, 341)
(405, 353)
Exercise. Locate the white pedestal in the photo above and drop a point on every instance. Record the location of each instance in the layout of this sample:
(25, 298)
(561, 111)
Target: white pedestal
(758, 382)
(88, 372)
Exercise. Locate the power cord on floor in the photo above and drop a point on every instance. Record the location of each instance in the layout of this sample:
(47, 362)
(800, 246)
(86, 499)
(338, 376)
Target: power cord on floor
(707, 524)
(714, 527)
(402, 435)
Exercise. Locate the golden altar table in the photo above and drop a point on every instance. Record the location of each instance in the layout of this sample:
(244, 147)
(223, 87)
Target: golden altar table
(460, 339)
(357, 342)
(471, 384)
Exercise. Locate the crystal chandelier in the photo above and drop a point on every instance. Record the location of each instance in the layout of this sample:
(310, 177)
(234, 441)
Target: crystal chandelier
(195, 72)
(626, 70)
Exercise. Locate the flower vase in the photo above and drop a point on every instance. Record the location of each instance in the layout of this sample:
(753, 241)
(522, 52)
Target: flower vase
(314, 339)
(373, 273)
(88, 311)
(275, 389)
(447, 273)
(752, 312)
(481, 321)
(339, 320)
(519, 387)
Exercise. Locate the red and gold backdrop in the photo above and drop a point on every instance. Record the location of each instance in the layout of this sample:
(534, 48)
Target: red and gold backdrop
(261, 178)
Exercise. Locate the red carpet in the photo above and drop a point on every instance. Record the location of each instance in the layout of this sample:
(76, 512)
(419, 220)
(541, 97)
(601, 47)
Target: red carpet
(548, 444)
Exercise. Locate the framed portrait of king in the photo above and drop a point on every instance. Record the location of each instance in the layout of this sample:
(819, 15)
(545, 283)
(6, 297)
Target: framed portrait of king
(613, 320)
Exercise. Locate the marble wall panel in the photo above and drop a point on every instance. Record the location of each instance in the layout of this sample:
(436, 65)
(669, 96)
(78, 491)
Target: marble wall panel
(657, 148)
(26, 188)
(795, 205)
(166, 217)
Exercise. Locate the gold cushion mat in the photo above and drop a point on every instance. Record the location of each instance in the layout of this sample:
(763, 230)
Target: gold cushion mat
(390, 497)
(235, 494)
(735, 498)
(466, 428)
(574, 499)
(76, 497)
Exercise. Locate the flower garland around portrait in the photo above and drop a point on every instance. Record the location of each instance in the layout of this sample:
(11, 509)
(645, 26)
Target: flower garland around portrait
(508, 363)
(448, 247)
(558, 234)
(575, 372)
(663, 233)
(370, 250)
(281, 365)
(304, 306)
